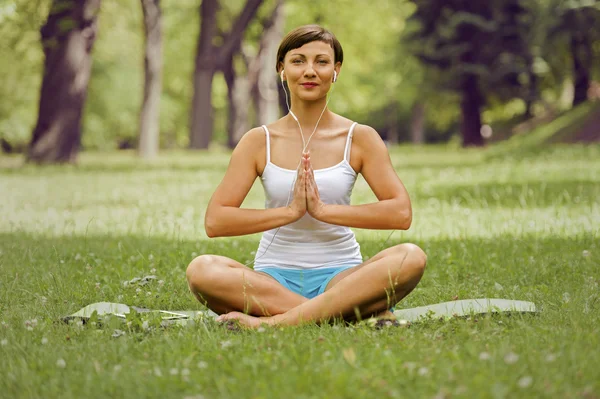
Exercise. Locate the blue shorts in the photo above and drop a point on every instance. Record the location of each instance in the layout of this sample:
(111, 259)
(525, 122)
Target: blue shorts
(306, 282)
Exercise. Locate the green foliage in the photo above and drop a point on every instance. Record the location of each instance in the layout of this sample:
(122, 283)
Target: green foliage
(379, 75)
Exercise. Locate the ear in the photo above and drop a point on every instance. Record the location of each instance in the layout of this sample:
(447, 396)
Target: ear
(337, 68)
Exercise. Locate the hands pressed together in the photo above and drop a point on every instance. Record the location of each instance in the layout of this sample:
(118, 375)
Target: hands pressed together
(306, 194)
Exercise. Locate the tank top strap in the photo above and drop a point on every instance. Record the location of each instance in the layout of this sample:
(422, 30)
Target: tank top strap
(268, 149)
(349, 142)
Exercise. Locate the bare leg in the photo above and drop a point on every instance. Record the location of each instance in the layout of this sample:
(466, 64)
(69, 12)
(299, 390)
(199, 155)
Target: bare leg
(225, 285)
(397, 250)
(368, 289)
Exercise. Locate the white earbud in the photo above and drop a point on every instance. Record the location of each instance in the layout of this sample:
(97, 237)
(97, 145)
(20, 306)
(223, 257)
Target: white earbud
(334, 76)
(282, 75)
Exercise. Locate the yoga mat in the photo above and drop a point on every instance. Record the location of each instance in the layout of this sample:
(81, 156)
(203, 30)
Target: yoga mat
(463, 307)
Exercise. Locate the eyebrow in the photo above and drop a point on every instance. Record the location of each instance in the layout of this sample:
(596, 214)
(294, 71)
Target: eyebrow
(302, 55)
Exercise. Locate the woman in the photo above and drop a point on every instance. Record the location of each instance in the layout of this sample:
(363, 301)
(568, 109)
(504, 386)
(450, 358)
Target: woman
(308, 266)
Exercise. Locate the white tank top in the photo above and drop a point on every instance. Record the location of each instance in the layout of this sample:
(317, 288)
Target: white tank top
(308, 243)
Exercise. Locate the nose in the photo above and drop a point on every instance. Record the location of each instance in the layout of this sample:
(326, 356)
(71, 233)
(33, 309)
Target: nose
(309, 72)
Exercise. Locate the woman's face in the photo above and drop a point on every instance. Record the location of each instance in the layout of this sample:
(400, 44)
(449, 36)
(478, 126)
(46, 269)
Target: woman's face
(309, 70)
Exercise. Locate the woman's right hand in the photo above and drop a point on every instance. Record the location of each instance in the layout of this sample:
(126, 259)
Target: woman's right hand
(298, 204)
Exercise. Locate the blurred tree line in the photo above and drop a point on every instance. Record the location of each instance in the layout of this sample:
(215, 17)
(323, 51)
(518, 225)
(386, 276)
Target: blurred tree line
(150, 74)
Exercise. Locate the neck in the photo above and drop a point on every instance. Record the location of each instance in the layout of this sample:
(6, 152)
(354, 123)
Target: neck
(308, 114)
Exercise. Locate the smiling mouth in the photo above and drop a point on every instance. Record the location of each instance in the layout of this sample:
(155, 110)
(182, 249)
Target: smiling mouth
(309, 84)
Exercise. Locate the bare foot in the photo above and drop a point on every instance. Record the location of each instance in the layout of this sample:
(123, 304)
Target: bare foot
(244, 319)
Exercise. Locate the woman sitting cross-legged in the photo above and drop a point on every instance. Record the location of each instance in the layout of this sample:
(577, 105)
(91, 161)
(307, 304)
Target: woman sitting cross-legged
(308, 267)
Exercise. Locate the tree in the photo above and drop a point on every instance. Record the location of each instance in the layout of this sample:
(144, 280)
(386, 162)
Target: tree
(209, 59)
(150, 113)
(67, 38)
(480, 48)
(259, 84)
(578, 26)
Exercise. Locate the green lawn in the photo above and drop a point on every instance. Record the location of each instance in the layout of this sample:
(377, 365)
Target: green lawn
(521, 227)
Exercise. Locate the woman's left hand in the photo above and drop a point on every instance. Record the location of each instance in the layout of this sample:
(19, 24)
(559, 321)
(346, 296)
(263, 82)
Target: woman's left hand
(314, 205)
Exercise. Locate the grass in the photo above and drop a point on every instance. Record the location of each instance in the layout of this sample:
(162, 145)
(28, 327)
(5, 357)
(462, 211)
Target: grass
(506, 227)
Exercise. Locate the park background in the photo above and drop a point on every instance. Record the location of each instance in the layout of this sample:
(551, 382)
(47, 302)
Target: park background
(117, 119)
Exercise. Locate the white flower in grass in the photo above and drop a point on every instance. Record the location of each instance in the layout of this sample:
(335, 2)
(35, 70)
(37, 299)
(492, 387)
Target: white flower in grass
(511, 358)
(202, 364)
(150, 257)
(423, 371)
(226, 344)
(145, 325)
(31, 324)
(185, 372)
(138, 290)
(44, 299)
(550, 357)
(60, 363)
(586, 253)
(161, 282)
(97, 285)
(157, 372)
(153, 270)
(117, 368)
(4, 324)
(174, 371)
(44, 341)
(260, 329)
(566, 297)
(148, 293)
(525, 382)
(498, 287)
(410, 366)
(484, 356)
(4, 342)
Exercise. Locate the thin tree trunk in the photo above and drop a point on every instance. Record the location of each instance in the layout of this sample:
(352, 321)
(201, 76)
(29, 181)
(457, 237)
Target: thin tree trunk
(238, 96)
(391, 116)
(68, 38)
(266, 88)
(202, 110)
(150, 114)
(471, 104)
(582, 62)
(417, 123)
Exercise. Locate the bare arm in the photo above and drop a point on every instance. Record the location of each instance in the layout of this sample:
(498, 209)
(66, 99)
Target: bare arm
(224, 217)
(392, 211)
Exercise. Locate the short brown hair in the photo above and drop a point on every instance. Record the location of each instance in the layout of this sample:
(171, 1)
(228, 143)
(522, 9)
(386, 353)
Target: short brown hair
(306, 34)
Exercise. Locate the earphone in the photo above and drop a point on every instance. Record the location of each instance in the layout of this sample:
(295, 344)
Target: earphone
(305, 146)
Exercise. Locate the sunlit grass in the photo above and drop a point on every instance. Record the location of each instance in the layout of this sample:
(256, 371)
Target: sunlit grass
(505, 227)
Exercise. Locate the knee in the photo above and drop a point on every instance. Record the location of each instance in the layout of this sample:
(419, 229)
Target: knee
(200, 271)
(414, 255)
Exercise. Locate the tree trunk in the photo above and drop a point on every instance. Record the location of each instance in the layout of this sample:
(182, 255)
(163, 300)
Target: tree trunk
(267, 98)
(68, 38)
(209, 59)
(238, 96)
(202, 109)
(391, 122)
(581, 50)
(532, 88)
(417, 123)
(471, 104)
(150, 114)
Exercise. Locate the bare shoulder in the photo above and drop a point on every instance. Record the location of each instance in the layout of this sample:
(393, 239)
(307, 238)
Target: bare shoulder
(365, 137)
(253, 139)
